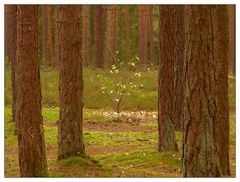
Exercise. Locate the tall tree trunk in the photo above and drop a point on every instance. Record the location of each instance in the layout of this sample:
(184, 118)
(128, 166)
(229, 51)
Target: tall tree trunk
(115, 34)
(10, 46)
(178, 58)
(56, 46)
(151, 33)
(231, 53)
(70, 131)
(205, 64)
(85, 33)
(47, 36)
(32, 156)
(142, 35)
(108, 54)
(167, 139)
(98, 37)
(128, 30)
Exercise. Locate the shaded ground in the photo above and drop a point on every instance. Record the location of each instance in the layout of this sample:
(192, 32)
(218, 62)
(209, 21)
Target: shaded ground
(123, 146)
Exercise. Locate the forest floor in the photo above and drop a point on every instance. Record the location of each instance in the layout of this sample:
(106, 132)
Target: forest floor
(124, 146)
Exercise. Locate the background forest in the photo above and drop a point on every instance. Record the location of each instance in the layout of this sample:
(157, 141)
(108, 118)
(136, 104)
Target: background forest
(125, 86)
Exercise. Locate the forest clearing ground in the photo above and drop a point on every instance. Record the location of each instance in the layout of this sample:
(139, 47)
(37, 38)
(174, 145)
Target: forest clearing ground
(118, 148)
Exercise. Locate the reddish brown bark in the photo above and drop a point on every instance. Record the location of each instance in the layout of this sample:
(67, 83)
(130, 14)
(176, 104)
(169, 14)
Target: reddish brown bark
(115, 33)
(128, 31)
(167, 139)
(231, 53)
(85, 33)
(98, 37)
(70, 131)
(56, 46)
(32, 156)
(205, 96)
(10, 39)
(151, 34)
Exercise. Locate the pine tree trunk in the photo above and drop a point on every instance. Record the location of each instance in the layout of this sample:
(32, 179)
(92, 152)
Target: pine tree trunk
(56, 46)
(32, 156)
(231, 53)
(115, 34)
(98, 37)
(128, 31)
(167, 139)
(151, 34)
(10, 46)
(205, 64)
(108, 54)
(70, 131)
(178, 58)
(85, 33)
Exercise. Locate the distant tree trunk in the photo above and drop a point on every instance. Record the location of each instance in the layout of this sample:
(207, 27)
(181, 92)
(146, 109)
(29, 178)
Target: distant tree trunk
(70, 131)
(205, 70)
(115, 34)
(56, 46)
(98, 37)
(10, 46)
(167, 139)
(128, 31)
(178, 58)
(85, 33)
(142, 36)
(32, 156)
(108, 54)
(151, 33)
(231, 53)
(47, 36)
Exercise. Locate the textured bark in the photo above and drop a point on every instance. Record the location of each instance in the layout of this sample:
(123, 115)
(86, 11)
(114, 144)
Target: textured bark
(167, 140)
(108, 52)
(204, 92)
(178, 56)
(115, 34)
(47, 36)
(151, 34)
(128, 31)
(98, 37)
(70, 141)
(231, 53)
(56, 46)
(10, 46)
(85, 33)
(142, 35)
(32, 156)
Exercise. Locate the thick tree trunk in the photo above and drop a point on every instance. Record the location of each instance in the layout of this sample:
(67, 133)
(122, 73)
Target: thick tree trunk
(205, 64)
(11, 46)
(178, 58)
(231, 52)
(151, 33)
(85, 33)
(167, 140)
(70, 131)
(115, 34)
(32, 156)
(108, 54)
(98, 37)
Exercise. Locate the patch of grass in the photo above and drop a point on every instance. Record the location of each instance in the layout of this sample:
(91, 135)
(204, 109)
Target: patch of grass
(74, 161)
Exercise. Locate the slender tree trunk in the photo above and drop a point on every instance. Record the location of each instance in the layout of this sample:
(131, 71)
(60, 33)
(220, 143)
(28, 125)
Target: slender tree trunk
(10, 46)
(128, 31)
(167, 140)
(231, 53)
(98, 37)
(47, 47)
(32, 156)
(178, 58)
(115, 34)
(205, 64)
(108, 54)
(70, 131)
(56, 46)
(85, 33)
(151, 33)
